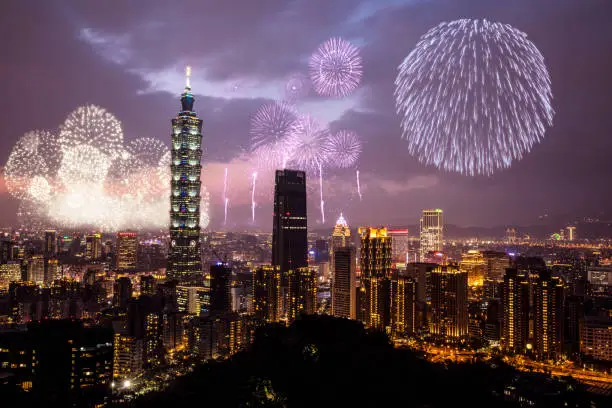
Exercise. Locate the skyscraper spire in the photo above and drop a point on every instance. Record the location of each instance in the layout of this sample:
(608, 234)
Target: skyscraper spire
(188, 78)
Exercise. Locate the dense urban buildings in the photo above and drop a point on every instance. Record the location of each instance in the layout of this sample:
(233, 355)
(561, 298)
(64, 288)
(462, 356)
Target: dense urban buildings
(184, 257)
(432, 232)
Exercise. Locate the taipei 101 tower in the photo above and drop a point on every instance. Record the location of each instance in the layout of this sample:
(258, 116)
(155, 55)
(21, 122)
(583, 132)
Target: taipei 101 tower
(184, 254)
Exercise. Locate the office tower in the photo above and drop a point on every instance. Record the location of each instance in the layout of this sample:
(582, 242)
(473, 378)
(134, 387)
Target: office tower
(302, 292)
(399, 245)
(571, 233)
(184, 253)
(36, 269)
(193, 300)
(50, 245)
(341, 235)
(596, 338)
(474, 264)
(266, 293)
(127, 245)
(375, 263)
(289, 235)
(496, 264)
(148, 285)
(51, 270)
(122, 292)
(515, 309)
(403, 305)
(511, 235)
(220, 284)
(549, 305)
(93, 246)
(9, 272)
(449, 306)
(432, 230)
(344, 283)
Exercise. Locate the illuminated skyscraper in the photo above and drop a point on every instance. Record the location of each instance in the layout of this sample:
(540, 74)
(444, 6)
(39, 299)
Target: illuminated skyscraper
(289, 234)
(571, 233)
(432, 231)
(403, 305)
(127, 246)
(375, 262)
(496, 264)
(549, 307)
(302, 292)
(341, 235)
(266, 293)
(344, 283)
(474, 264)
(449, 305)
(184, 255)
(515, 322)
(93, 246)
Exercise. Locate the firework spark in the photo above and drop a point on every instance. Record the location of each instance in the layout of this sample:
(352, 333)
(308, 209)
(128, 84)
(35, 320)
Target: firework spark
(270, 128)
(296, 87)
(24, 164)
(344, 149)
(310, 144)
(83, 164)
(335, 68)
(92, 126)
(225, 199)
(358, 185)
(473, 96)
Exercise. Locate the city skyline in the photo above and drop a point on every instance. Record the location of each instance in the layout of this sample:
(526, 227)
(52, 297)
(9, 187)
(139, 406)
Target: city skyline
(110, 61)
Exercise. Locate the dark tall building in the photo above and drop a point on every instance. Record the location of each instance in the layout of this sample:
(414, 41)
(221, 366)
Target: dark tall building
(50, 246)
(289, 235)
(184, 255)
(266, 293)
(220, 286)
(403, 305)
(302, 290)
(449, 306)
(375, 291)
(123, 292)
(344, 283)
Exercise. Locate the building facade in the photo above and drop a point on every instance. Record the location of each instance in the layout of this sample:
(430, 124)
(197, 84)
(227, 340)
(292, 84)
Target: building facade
(127, 247)
(431, 232)
(184, 253)
(449, 303)
(375, 263)
(344, 283)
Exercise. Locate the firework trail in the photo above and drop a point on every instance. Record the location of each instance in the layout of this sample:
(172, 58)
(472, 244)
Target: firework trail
(253, 197)
(225, 211)
(310, 142)
(344, 149)
(473, 96)
(335, 68)
(358, 185)
(225, 200)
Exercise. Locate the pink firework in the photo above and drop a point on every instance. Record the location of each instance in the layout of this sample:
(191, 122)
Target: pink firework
(344, 149)
(270, 129)
(335, 68)
(309, 143)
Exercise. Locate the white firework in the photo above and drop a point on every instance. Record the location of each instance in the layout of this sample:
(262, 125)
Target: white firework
(309, 143)
(204, 208)
(24, 163)
(39, 189)
(335, 68)
(93, 126)
(83, 164)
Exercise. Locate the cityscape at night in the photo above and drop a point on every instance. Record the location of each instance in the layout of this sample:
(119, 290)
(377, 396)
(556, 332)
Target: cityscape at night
(298, 203)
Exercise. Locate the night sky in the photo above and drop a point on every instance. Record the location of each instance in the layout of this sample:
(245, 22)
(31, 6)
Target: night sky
(129, 57)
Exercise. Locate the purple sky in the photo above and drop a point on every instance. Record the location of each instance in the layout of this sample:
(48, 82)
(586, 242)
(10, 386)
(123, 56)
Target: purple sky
(128, 56)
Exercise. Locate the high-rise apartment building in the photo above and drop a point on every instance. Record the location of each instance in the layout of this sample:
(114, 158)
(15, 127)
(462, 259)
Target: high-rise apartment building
(50, 248)
(432, 232)
(302, 292)
(289, 234)
(266, 293)
(93, 246)
(184, 254)
(127, 247)
(344, 283)
(549, 318)
(220, 286)
(403, 305)
(515, 305)
(375, 263)
(449, 305)
(474, 264)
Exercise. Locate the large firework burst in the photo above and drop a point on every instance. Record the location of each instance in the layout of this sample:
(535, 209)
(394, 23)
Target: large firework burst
(24, 164)
(270, 128)
(344, 149)
(93, 126)
(473, 96)
(83, 164)
(309, 143)
(335, 68)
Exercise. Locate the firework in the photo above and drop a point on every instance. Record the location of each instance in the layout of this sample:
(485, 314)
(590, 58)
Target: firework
(39, 189)
(358, 185)
(83, 164)
(24, 163)
(270, 129)
(310, 144)
(296, 87)
(92, 126)
(204, 208)
(254, 177)
(225, 199)
(344, 149)
(473, 96)
(335, 68)
(147, 150)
